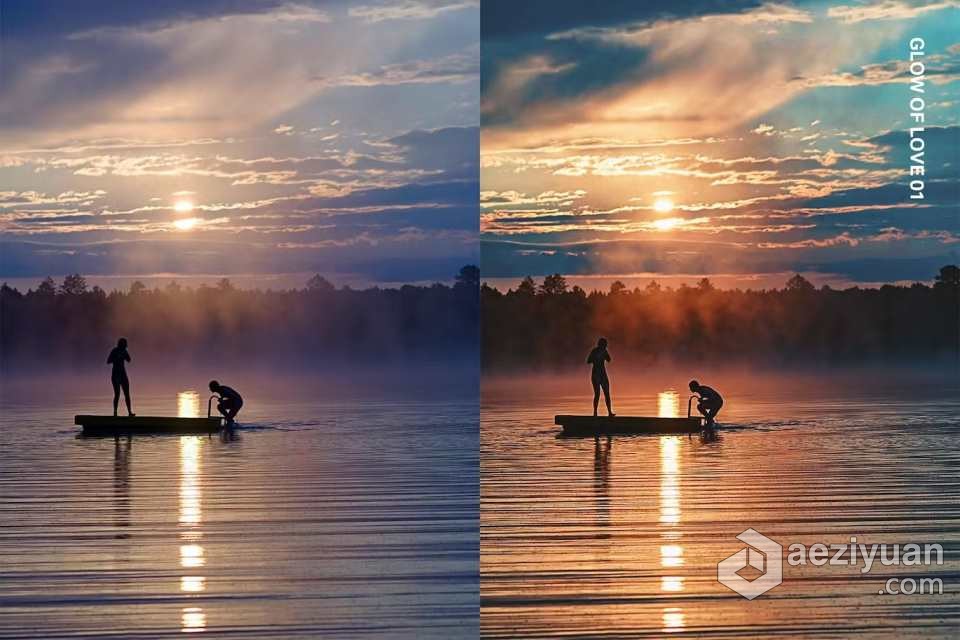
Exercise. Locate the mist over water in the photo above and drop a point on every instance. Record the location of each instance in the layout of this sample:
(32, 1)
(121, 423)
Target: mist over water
(346, 504)
(620, 537)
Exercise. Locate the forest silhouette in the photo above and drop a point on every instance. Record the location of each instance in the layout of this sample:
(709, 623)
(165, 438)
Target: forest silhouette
(71, 324)
(553, 325)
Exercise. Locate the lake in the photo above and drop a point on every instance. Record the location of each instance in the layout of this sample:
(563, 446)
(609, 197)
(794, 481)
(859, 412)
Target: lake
(342, 507)
(620, 537)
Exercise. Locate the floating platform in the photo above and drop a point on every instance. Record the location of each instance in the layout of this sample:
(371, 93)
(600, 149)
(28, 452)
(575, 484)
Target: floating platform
(126, 425)
(603, 425)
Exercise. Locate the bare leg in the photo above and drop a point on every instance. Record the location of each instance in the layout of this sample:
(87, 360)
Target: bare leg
(596, 397)
(116, 397)
(126, 396)
(711, 415)
(606, 396)
(229, 411)
(709, 412)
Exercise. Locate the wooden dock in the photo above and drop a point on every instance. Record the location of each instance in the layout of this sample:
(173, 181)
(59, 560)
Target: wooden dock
(603, 425)
(125, 425)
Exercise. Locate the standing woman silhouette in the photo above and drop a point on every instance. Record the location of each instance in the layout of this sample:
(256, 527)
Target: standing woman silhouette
(118, 358)
(599, 357)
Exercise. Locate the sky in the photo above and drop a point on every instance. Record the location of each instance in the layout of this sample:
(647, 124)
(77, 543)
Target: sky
(739, 140)
(260, 139)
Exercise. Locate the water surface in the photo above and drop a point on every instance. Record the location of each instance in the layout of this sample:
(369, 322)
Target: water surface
(620, 537)
(329, 513)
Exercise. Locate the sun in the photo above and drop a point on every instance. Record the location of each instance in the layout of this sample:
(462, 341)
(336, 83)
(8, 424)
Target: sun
(663, 205)
(183, 206)
(186, 224)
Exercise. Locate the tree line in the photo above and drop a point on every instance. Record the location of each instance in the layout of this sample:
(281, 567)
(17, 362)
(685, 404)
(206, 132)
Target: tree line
(551, 324)
(74, 324)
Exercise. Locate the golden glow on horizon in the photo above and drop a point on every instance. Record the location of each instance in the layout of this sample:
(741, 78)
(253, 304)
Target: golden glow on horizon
(183, 206)
(186, 224)
(663, 205)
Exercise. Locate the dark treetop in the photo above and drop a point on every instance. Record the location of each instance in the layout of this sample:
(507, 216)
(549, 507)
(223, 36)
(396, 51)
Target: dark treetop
(73, 323)
(550, 325)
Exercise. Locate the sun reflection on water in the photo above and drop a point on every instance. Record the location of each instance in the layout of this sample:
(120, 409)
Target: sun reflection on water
(188, 404)
(668, 404)
(193, 619)
(673, 619)
(671, 552)
(191, 515)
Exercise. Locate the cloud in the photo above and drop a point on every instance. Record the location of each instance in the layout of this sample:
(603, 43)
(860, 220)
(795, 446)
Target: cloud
(938, 69)
(209, 76)
(727, 108)
(669, 78)
(511, 83)
(842, 239)
(454, 68)
(505, 19)
(408, 9)
(201, 77)
(887, 10)
(106, 120)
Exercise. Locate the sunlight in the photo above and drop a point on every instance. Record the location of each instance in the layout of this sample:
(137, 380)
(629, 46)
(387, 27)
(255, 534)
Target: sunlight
(192, 584)
(669, 481)
(673, 619)
(186, 224)
(191, 515)
(191, 555)
(663, 205)
(183, 206)
(671, 555)
(190, 510)
(671, 552)
(193, 619)
(671, 583)
(666, 224)
(188, 404)
(668, 404)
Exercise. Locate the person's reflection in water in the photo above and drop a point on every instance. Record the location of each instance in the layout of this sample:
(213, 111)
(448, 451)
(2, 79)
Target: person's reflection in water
(121, 485)
(118, 377)
(709, 436)
(599, 357)
(601, 480)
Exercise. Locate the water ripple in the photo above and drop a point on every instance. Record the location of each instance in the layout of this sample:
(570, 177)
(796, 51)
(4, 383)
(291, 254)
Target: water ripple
(620, 537)
(336, 518)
